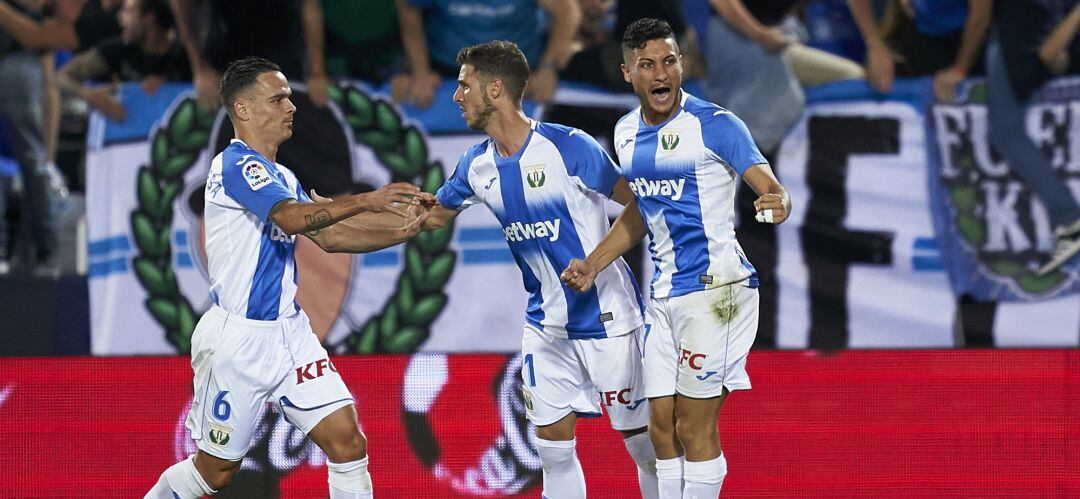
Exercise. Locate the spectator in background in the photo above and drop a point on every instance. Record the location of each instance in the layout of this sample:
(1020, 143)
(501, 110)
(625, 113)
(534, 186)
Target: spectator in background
(22, 96)
(147, 50)
(943, 38)
(756, 67)
(217, 32)
(362, 39)
(1032, 41)
(432, 31)
(73, 25)
(597, 48)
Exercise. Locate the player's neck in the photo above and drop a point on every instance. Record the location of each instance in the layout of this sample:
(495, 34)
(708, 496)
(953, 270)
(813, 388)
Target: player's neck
(653, 118)
(509, 131)
(268, 149)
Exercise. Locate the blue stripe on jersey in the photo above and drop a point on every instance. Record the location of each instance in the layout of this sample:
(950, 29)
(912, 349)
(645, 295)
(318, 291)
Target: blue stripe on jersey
(689, 238)
(265, 295)
(583, 309)
(753, 272)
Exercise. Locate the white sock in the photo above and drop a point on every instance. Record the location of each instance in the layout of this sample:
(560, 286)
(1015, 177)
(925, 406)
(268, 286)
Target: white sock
(180, 480)
(669, 473)
(641, 451)
(704, 478)
(563, 478)
(349, 480)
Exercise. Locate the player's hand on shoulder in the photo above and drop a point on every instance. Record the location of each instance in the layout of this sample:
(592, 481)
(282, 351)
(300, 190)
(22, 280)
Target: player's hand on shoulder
(579, 275)
(394, 198)
(772, 208)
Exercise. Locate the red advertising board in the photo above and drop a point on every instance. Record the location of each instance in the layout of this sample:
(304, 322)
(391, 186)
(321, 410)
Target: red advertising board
(956, 423)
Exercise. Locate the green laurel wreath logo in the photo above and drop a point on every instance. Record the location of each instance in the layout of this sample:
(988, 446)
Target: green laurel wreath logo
(964, 197)
(418, 298)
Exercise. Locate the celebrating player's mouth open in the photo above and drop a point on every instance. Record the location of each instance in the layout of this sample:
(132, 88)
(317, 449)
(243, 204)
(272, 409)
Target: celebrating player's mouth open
(682, 156)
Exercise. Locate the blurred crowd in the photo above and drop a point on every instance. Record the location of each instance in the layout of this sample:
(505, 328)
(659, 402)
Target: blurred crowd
(755, 57)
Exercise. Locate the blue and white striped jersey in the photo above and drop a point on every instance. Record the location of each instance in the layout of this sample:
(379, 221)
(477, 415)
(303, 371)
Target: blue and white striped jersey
(549, 199)
(251, 261)
(684, 173)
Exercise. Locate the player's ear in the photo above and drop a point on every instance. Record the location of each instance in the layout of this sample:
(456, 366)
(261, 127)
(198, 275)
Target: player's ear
(495, 89)
(625, 73)
(240, 110)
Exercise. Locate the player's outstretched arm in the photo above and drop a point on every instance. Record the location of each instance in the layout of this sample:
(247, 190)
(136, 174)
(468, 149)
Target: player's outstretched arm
(294, 218)
(367, 232)
(625, 233)
(773, 203)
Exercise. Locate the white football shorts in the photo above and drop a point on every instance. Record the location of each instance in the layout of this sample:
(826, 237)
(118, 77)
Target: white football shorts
(241, 363)
(562, 375)
(696, 344)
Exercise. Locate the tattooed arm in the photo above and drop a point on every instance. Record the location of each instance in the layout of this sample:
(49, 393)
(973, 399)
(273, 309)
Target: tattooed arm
(293, 217)
(368, 231)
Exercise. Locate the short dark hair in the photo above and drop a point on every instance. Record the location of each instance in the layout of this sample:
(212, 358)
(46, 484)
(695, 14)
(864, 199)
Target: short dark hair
(500, 60)
(163, 14)
(639, 32)
(239, 76)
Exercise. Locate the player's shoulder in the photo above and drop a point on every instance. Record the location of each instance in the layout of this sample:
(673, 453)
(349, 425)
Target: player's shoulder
(709, 114)
(237, 155)
(565, 136)
(628, 122)
(469, 156)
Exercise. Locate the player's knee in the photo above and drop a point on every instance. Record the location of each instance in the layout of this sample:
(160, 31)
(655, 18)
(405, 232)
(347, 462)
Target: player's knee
(218, 479)
(217, 473)
(351, 446)
(557, 456)
(690, 430)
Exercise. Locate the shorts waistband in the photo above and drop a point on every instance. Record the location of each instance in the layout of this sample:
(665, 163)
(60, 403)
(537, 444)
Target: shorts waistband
(271, 325)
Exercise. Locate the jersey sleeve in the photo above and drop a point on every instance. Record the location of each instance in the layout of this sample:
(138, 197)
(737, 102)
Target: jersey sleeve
(727, 137)
(253, 185)
(456, 193)
(587, 160)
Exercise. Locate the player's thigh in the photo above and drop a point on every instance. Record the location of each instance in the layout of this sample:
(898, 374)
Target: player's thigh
(614, 366)
(714, 330)
(659, 352)
(313, 389)
(554, 381)
(236, 365)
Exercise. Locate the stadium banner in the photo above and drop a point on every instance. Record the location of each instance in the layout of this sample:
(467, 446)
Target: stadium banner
(994, 231)
(453, 426)
(859, 262)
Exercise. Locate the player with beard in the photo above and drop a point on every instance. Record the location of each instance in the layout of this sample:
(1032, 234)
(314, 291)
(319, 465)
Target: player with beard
(682, 157)
(546, 185)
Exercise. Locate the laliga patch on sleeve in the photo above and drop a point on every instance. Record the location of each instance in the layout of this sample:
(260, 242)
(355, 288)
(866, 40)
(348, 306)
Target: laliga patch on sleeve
(256, 175)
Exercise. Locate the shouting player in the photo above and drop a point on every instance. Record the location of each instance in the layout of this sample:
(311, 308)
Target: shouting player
(682, 157)
(255, 344)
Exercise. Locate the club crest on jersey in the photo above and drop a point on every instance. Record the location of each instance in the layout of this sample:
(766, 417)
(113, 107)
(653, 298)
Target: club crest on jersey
(535, 176)
(256, 175)
(669, 139)
(219, 435)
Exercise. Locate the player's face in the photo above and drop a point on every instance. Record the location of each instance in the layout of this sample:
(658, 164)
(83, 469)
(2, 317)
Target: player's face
(269, 107)
(471, 97)
(655, 71)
